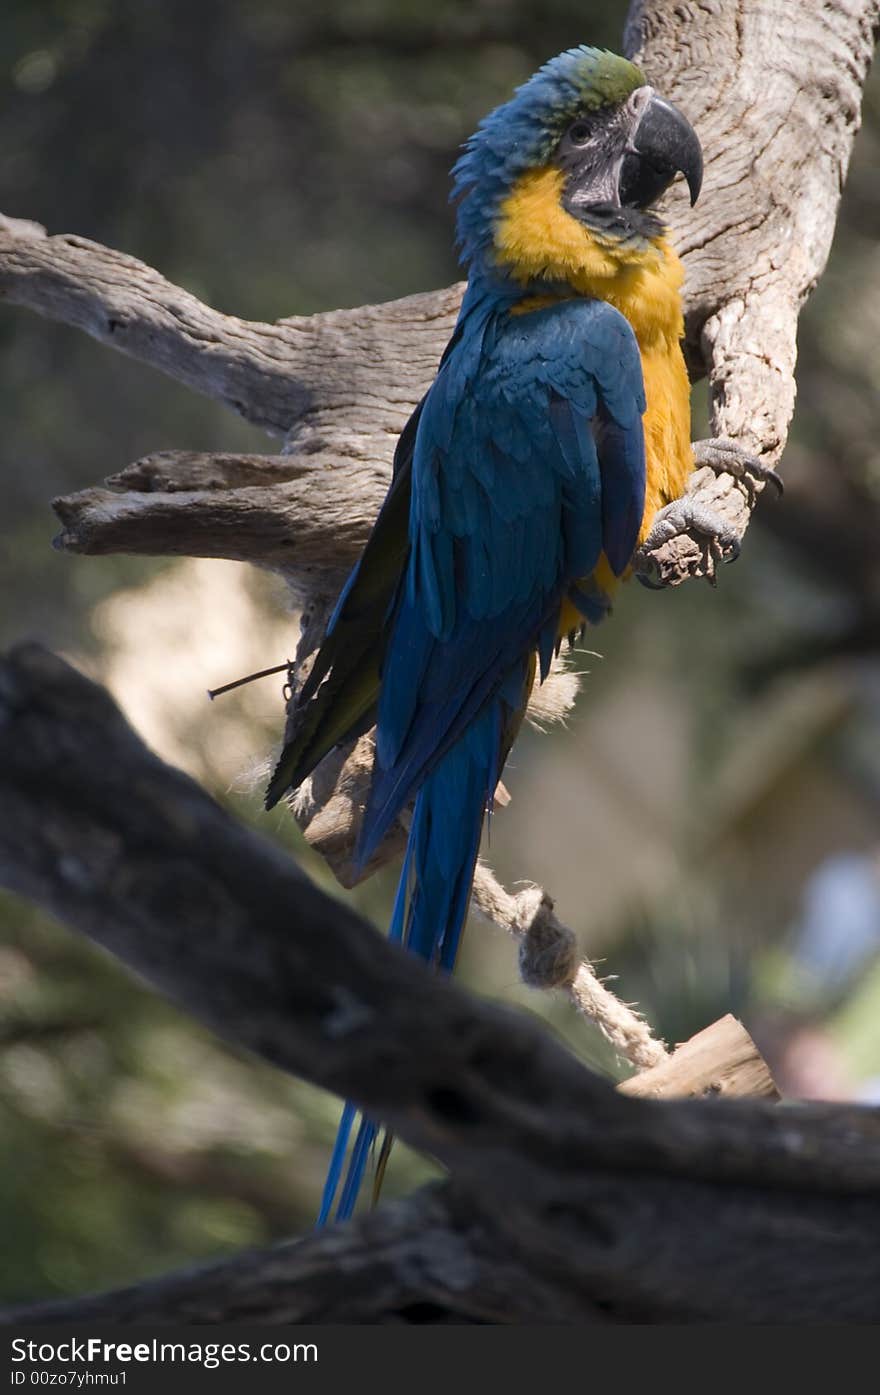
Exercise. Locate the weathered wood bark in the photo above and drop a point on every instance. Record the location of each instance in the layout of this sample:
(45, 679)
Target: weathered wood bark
(295, 513)
(686, 1210)
(647, 1250)
(720, 1060)
(427, 1259)
(346, 380)
(775, 92)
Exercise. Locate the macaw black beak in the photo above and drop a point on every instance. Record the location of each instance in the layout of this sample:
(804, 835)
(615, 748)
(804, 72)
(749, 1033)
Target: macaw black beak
(664, 143)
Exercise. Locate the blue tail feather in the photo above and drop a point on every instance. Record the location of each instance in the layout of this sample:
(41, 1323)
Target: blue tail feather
(432, 898)
(356, 1168)
(334, 1172)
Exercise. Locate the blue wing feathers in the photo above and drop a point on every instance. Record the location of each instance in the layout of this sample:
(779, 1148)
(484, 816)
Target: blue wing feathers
(528, 463)
(622, 458)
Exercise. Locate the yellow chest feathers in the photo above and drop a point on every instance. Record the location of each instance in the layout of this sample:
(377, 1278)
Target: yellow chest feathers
(537, 240)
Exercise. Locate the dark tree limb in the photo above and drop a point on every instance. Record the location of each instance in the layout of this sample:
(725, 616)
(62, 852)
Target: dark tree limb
(135, 855)
(637, 1248)
(630, 1198)
(426, 1259)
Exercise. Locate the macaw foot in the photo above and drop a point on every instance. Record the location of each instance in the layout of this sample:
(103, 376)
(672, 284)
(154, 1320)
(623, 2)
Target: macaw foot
(725, 457)
(688, 515)
(702, 512)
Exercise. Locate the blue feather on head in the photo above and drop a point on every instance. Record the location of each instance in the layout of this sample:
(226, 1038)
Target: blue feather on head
(523, 133)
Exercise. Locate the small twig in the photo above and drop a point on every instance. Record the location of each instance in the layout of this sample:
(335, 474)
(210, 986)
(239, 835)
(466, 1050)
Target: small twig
(250, 678)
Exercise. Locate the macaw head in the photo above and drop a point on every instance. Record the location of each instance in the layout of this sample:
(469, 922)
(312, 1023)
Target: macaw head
(581, 151)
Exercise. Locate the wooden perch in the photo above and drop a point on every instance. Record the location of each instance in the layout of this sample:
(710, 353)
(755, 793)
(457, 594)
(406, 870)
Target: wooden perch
(775, 93)
(700, 1209)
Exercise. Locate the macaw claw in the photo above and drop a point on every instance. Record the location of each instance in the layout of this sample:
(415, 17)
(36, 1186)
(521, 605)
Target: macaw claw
(725, 457)
(688, 515)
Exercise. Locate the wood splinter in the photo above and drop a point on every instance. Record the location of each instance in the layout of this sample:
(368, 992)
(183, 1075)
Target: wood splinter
(721, 1060)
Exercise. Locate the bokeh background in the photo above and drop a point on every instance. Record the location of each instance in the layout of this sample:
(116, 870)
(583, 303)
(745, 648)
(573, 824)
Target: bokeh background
(709, 821)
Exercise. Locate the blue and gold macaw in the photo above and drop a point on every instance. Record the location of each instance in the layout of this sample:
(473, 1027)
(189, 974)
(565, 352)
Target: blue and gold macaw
(557, 426)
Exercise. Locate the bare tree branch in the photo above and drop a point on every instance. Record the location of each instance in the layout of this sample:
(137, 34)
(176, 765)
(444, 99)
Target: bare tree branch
(559, 1167)
(132, 853)
(350, 377)
(426, 1259)
(307, 516)
(637, 1249)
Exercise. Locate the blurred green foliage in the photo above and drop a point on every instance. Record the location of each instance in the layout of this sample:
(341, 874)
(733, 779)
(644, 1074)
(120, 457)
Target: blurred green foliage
(279, 159)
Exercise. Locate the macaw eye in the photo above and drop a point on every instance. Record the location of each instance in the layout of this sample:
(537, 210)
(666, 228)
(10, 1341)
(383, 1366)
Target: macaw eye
(579, 132)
